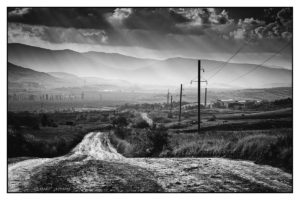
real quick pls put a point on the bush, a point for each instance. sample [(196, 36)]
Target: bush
[(44, 120), (144, 143), (122, 132), (159, 119), (213, 118), (69, 123), (23, 119), (158, 140), (122, 146), (120, 121), (141, 124)]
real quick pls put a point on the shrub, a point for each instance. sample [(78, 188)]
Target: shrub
[(122, 146), (160, 119), (213, 118), (122, 132), (69, 123), (120, 121), (44, 120), (141, 124), (23, 119), (158, 139), (141, 144)]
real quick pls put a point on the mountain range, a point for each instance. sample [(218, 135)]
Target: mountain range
[(64, 68)]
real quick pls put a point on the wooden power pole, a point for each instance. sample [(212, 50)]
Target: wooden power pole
[(171, 106), (199, 91), (205, 96), (180, 102), (168, 97)]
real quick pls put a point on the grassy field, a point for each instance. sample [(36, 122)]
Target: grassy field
[(262, 137), (273, 146)]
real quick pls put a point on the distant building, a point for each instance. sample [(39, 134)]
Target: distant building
[(223, 103), (235, 104)]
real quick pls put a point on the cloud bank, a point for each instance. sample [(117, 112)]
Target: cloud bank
[(187, 32)]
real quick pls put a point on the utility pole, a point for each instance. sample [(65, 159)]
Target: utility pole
[(205, 100), (168, 96), (180, 102), (199, 91), (171, 107)]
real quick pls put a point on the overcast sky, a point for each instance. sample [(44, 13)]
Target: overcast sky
[(205, 33)]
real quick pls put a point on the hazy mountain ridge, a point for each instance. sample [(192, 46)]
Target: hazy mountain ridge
[(172, 71), (20, 79), (26, 78)]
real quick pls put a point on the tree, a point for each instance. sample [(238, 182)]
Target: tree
[(159, 139), (44, 120), (120, 121)]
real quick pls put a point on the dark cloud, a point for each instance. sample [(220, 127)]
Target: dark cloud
[(117, 26), (277, 24), (174, 20), (61, 17), (166, 20), (154, 19)]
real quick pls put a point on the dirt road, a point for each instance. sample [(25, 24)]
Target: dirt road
[(95, 166), (147, 119)]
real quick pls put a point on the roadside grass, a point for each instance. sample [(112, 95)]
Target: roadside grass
[(273, 146), (140, 142), (122, 146), (46, 142)]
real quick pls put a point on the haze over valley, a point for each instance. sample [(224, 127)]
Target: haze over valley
[(75, 69)]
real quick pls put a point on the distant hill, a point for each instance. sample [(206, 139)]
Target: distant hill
[(75, 80), (24, 78), (118, 61), (171, 71)]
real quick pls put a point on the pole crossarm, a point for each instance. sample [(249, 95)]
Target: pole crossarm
[(200, 81)]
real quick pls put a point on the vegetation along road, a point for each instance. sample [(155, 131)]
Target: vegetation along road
[(95, 166)]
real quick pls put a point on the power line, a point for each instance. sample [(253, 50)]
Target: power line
[(253, 69), (211, 70), (214, 69), (224, 64)]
